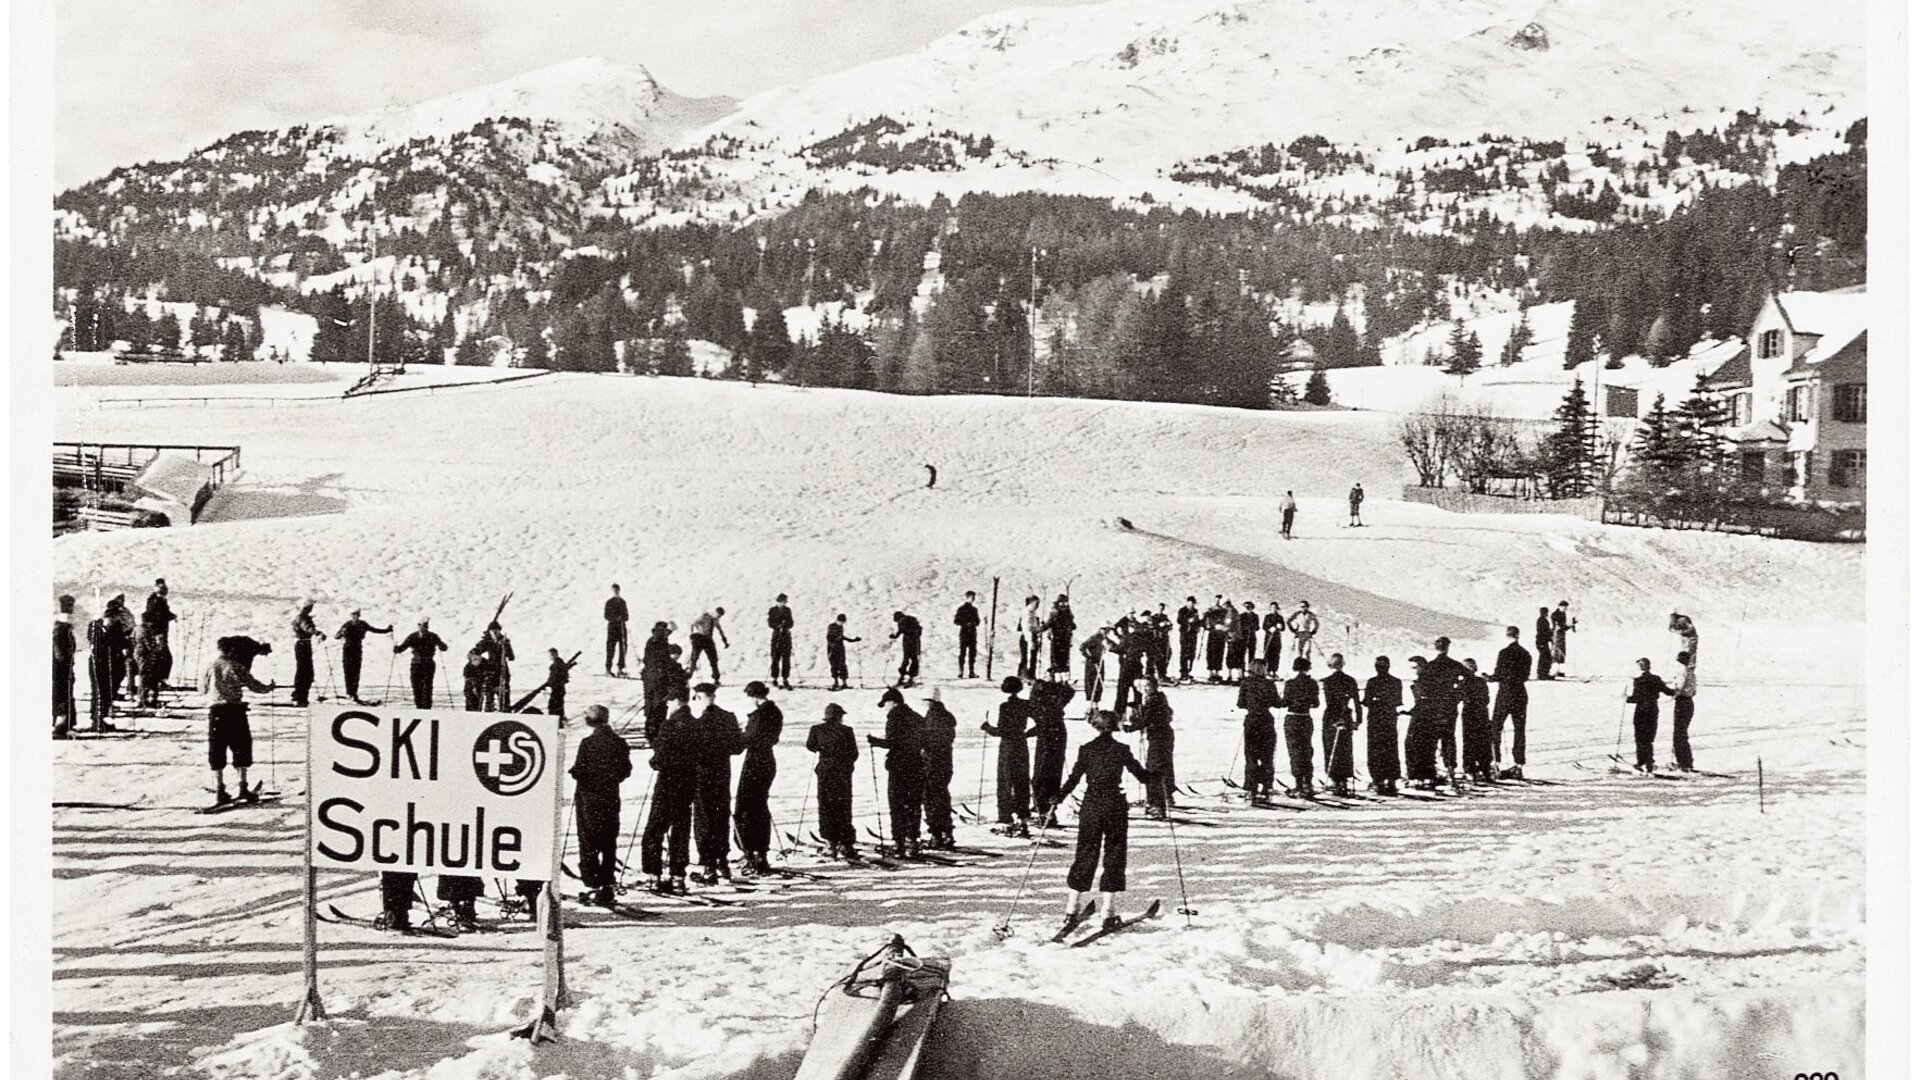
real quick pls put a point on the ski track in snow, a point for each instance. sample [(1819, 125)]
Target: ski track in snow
[(1487, 935)]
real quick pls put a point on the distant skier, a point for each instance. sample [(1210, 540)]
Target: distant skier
[(1300, 697), (229, 734), (100, 672), (676, 763), (837, 748), (717, 737), (751, 815), (352, 636), (1060, 626), (1188, 620), (1543, 645), (473, 680), (1030, 627), (558, 675), (1258, 699), (1244, 644), (1644, 695), (1093, 662), (658, 670), (906, 772), (1563, 624), (1047, 705), (1219, 621), (1354, 499), (967, 618), (156, 632), (65, 648), (701, 633), (615, 613), (837, 640), (1155, 719), (933, 475), (1102, 840), (1683, 686), (1447, 675), (1382, 700), (1476, 727), (1337, 724), (1136, 647), (1162, 625), (123, 629), (1423, 726), (1273, 634), (1510, 675), (1287, 509), (500, 660), (780, 646), (1304, 624), (936, 752), (423, 644), (600, 763), (906, 629), (1013, 789)]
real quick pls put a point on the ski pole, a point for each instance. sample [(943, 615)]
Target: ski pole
[(1166, 801), (634, 833), (874, 771), (1620, 733), (798, 824), (980, 793), (1006, 921), (386, 692), (333, 690)]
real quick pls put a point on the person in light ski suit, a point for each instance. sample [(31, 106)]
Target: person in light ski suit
[(1287, 509), (1047, 706), (837, 748), (780, 645), (1644, 695), (1338, 722), (1030, 627), (1304, 624), (600, 763), (936, 751), (1102, 841), (423, 644), (1012, 784), (228, 731), (1155, 718), (906, 772), (1382, 700), (352, 636), (701, 633), (967, 618), (751, 815), (1258, 698)]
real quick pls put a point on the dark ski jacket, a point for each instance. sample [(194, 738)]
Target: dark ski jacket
[(676, 746), (1049, 713), (655, 658), (602, 760), (967, 617), (1644, 692), (1012, 728), (558, 674), (1512, 665), (1473, 699), (1218, 618), (1301, 696), (64, 645), (763, 731), (902, 740), (1246, 626), (1258, 697), (1188, 620), (780, 619), (936, 736), (422, 644), (837, 747), (157, 615), (1342, 690), (837, 635), (615, 610), (1155, 717), (1446, 676), (717, 737), (1100, 762), (1383, 697), (1273, 623), (1542, 633), (907, 629), (355, 631), (1060, 622)]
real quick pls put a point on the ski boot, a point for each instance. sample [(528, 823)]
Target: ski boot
[(221, 797), (704, 876), (464, 917), (1111, 922), (250, 794)]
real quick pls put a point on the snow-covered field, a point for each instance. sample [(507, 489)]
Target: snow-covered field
[(1593, 927)]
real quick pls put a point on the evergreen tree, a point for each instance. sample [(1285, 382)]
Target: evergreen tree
[(334, 340), (203, 329), (1582, 330), (768, 346), (136, 329), (166, 332), (1700, 450), (1318, 392), (1569, 453), (1463, 349), (1517, 341), (233, 342), (1655, 452), (676, 358)]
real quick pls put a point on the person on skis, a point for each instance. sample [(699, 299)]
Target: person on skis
[(1299, 697), (600, 763), (1188, 620), (1287, 509), (1689, 637), (1304, 624), (717, 738), (1683, 686), (967, 618), (500, 658), (660, 671), (424, 644), (837, 641), (1341, 692), (780, 646), (1029, 629), (1093, 663), (906, 772), (676, 763), (1155, 718), (614, 611), (906, 629), (1012, 784), (229, 733), (1060, 627), (1047, 706), (352, 636), (1354, 499), (1510, 675), (1258, 699), (701, 633), (1543, 646), (1273, 633), (1643, 693), (1162, 626), (1219, 620), (1563, 624), (1382, 700), (837, 749), (1102, 841), (1476, 726), (1244, 644), (936, 751), (65, 649), (305, 631), (752, 817)]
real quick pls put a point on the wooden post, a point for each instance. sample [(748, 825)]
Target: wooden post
[(553, 991), (1760, 773), (310, 1006), (993, 621)]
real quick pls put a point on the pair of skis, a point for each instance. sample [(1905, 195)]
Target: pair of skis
[(1079, 918), (253, 796)]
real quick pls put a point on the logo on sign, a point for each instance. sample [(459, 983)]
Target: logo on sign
[(509, 758)]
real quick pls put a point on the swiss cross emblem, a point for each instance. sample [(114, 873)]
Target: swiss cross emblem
[(509, 758)]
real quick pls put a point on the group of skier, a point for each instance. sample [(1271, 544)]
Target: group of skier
[(128, 657)]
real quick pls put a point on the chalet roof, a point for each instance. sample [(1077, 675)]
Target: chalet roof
[(1837, 317), (1759, 431), (1854, 348), (1735, 374)]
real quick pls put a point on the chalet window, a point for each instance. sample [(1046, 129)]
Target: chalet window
[(1742, 410), (1850, 403), (1847, 469), (1753, 466), (1622, 402), (1797, 403), (1770, 341)]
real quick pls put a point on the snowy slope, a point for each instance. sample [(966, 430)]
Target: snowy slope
[(1145, 82), (1598, 927)]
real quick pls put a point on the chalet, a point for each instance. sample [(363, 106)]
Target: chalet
[(1796, 397)]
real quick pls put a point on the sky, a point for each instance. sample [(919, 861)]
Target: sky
[(152, 79)]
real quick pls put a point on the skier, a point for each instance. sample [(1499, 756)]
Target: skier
[(1644, 694), (65, 648), (701, 634), (1219, 616), (717, 737), (676, 760), (1012, 789), (1258, 698), (1423, 726), (1563, 624), (967, 618), (122, 630), (499, 649), (1155, 718), (1047, 705), (1029, 630), (1244, 645), (907, 629), (1354, 499), (936, 752), (1382, 700), (557, 676), (1188, 620), (100, 673), (1300, 697), (304, 631), (1683, 686), (1093, 662), (932, 475), (1510, 675), (906, 772), (1102, 842), (615, 612), (1060, 626), (156, 624), (1287, 509), (1342, 692), (1447, 675), (833, 740), (1273, 632), (780, 647), (1543, 646), (473, 680), (423, 644), (1689, 637), (1136, 643), (1304, 624), (396, 899), (837, 640), (1476, 730), (352, 636), (751, 815), (228, 730), (658, 670), (600, 763), (1162, 627)]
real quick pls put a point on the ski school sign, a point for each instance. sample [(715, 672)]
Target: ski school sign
[(434, 792)]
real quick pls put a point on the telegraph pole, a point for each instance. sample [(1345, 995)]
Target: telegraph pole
[(1033, 291)]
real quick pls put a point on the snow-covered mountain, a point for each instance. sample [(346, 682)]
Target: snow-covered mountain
[(1146, 82)]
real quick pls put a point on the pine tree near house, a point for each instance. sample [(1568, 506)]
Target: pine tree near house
[(1318, 392), (1657, 454), (1463, 350), (166, 332), (1517, 341), (1701, 455), (1584, 327), (1569, 454)]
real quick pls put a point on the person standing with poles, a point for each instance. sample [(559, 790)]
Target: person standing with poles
[(423, 644), (1683, 686), (936, 752), (1273, 633), (780, 648), (229, 734), (967, 618), (558, 675), (833, 741), (615, 613), (751, 814), (906, 629), (600, 763), (1304, 624), (1510, 675), (352, 636), (676, 763), (1060, 627), (705, 627), (1342, 694), (1476, 728), (1187, 619), (717, 737), (1258, 698), (1047, 707), (1218, 620), (65, 648), (1029, 628), (1543, 646), (837, 640), (906, 772), (1382, 700), (1102, 841), (1162, 626), (1155, 717), (156, 624), (1012, 790), (659, 672), (1644, 695), (1563, 624), (1287, 509), (1300, 697)]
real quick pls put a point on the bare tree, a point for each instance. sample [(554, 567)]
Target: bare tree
[(1422, 436)]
